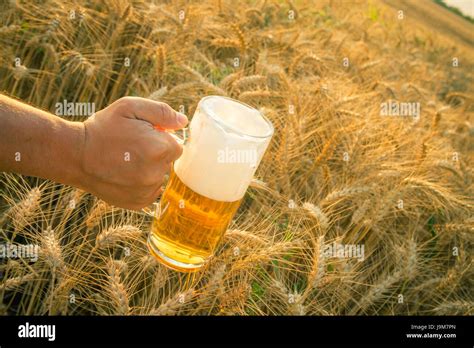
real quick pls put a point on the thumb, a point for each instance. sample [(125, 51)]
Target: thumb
[(160, 115)]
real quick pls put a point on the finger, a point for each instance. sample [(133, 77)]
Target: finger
[(172, 149), (157, 113), (175, 149)]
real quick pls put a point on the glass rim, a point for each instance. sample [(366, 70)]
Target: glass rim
[(227, 126)]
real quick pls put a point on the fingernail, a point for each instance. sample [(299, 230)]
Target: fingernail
[(182, 119)]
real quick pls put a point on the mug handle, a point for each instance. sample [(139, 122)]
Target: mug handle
[(181, 140)]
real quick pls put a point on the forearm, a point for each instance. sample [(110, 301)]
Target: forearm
[(37, 143)]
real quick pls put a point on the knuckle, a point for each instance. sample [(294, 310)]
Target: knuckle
[(125, 103), (165, 111), (163, 107), (175, 150)]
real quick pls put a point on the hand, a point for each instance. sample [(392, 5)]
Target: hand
[(124, 158)]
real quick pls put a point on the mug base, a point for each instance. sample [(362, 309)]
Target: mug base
[(169, 262)]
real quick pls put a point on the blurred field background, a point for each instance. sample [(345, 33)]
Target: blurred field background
[(336, 171)]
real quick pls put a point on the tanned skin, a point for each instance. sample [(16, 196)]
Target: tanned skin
[(117, 154)]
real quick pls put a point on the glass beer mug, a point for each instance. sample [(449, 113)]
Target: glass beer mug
[(226, 142)]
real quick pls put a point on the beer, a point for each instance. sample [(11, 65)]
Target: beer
[(190, 225), (207, 183)]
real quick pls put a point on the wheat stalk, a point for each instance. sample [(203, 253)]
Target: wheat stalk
[(226, 43), (12, 283), (296, 306), (318, 266), (175, 303), (117, 290), (227, 81), (247, 81), (24, 211), (272, 261), (100, 209), (113, 235), (158, 94), (411, 259), (359, 214), (376, 292), (455, 308), (213, 287), (51, 250), (259, 94), (160, 62), (245, 236), (348, 191), (241, 37), (318, 214)]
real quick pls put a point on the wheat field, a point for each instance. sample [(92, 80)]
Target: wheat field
[(336, 171)]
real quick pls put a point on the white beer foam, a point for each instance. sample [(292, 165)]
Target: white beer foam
[(221, 134)]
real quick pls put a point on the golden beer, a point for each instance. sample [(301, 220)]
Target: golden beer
[(190, 226), (227, 140)]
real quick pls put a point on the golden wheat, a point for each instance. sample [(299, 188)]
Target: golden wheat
[(335, 170)]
